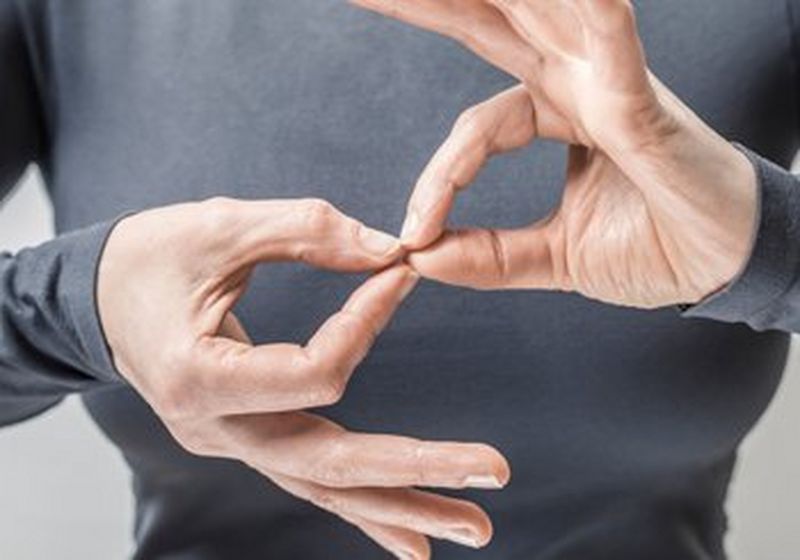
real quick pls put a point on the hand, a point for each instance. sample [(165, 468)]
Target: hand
[(657, 208), (168, 280)]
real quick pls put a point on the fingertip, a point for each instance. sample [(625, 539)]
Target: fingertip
[(486, 530), (387, 287), (378, 244), (425, 552), (420, 549), (421, 236), (410, 229), (495, 472), (480, 532), (402, 273), (502, 468)]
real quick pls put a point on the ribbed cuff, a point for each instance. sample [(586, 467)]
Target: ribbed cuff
[(771, 268)]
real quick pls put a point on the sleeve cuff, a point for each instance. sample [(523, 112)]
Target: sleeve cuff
[(771, 268), (81, 265)]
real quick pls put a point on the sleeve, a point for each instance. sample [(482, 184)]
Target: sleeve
[(51, 342), (51, 339), (766, 293), (21, 127)]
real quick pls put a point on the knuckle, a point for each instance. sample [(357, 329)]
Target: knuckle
[(325, 384), (329, 392), (316, 213), (499, 253), (218, 212), (490, 264), (474, 124), (228, 363), (420, 471), (334, 467), (470, 118), (327, 500), (324, 381)]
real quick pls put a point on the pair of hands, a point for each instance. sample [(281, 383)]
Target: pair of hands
[(657, 210)]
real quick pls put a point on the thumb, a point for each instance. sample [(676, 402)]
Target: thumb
[(491, 259)]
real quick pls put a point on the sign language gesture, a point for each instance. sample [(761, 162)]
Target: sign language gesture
[(167, 283), (657, 208)]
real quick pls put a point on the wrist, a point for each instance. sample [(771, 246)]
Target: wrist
[(704, 194), (722, 187), (113, 272)]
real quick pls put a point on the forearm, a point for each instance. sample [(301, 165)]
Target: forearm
[(766, 293), (51, 342)]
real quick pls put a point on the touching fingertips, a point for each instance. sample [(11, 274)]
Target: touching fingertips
[(380, 244), (389, 286), (426, 221)]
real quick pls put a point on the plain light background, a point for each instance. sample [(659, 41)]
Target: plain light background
[(64, 490)]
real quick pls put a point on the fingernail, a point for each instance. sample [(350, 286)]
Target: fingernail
[(378, 242), (485, 482), (464, 538), (410, 226)]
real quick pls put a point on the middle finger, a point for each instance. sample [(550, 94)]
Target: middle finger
[(413, 510)]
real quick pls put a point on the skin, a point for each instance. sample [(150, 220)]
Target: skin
[(222, 396), (657, 208)]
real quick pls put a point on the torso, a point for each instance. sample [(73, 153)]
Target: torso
[(621, 426)]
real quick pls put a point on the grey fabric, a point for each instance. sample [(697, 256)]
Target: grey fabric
[(621, 425), (51, 342), (766, 294)]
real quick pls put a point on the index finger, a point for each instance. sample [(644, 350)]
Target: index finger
[(234, 377), (503, 123), (248, 232)]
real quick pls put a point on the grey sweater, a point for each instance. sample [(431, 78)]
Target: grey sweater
[(622, 426)]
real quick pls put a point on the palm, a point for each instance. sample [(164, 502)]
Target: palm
[(609, 240)]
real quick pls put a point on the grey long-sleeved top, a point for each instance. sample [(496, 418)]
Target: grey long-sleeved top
[(622, 426)]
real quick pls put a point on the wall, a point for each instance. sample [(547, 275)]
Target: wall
[(63, 487)]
